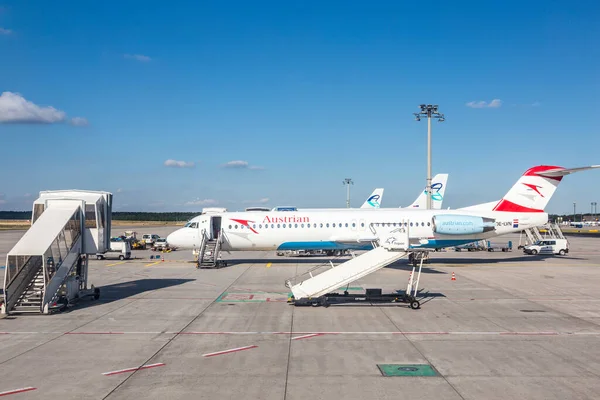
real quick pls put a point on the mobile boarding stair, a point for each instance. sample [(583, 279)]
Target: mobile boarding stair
[(209, 255), (315, 287), (47, 269)]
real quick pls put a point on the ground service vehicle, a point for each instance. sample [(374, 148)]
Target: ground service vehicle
[(550, 246)]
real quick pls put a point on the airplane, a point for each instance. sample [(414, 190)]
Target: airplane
[(521, 208), (438, 188)]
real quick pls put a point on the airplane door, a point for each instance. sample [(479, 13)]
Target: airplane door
[(215, 224)]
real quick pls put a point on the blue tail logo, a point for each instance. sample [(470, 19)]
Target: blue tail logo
[(435, 191), (374, 200)]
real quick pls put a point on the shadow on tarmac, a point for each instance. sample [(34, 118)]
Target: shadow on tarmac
[(123, 290)]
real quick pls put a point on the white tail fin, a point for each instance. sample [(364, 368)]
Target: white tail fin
[(374, 200), (438, 189)]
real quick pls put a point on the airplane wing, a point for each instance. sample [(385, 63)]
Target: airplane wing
[(374, 200), (438, 188)]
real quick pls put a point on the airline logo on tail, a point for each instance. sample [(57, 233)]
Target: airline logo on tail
[(374, 201), (435, 191)]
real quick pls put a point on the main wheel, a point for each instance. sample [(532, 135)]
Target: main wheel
[(562, 252), (415, 304)]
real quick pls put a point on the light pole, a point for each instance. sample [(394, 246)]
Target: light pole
[(430, 111), (348, 182), (574, 212)]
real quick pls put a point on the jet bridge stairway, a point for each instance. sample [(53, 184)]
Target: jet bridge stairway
[(313, 286), (47, 269)]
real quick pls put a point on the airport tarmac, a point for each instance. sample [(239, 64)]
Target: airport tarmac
[(509, 326)]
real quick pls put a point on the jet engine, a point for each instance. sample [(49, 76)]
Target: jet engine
[(462, 224)]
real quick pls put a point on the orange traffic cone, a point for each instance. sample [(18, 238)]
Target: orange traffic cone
[(163, 258), (453, 277)]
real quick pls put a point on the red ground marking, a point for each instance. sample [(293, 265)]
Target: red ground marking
[(122, 371), (307, 336), (15, 391)]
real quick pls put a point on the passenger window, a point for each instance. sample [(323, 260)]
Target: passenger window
[(346, 224), (254, 226), (321, 225), (260, 225), (278, 225), (302, 225), (327, 225), (422, 223), (272, 226), (295, 225), (229, 226), (362, 224), (429, 224), (284, 225), (353, 225), (411, 224), (236, 227)]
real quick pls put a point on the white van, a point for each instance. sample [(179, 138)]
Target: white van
[(548, 246)]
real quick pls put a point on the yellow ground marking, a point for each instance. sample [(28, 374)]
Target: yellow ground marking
[(117, 263), (269, 265), (151, 264)]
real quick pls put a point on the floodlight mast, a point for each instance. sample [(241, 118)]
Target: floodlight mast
[(430, 111), (348, 182)]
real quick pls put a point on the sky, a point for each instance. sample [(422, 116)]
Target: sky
[(176, 106)]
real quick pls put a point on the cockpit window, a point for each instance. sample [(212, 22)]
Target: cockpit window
[(191, 225)]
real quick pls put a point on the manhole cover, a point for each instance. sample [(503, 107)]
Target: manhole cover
[(407, 370)]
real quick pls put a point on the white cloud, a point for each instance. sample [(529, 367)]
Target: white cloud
[(179, 164), (78, 121), (15, 109), (119, 190), (239, 164), (137, 57), (2, 198), (4, 31), (27, 195), (205, 202), (496, 103)]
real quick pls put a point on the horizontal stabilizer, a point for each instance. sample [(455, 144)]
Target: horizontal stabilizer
[(564, 171)]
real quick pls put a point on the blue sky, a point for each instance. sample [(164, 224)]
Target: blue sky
[(300, 95)]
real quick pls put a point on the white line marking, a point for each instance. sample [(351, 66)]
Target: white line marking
[(121, 371), (229, 351), (15, 391)]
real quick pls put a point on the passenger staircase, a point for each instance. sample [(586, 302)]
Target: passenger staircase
[(532, 235), (210, 251), (553, 231), (390, 246), (47, 269)]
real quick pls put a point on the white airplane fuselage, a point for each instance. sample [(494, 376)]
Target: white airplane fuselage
[(355, 229)]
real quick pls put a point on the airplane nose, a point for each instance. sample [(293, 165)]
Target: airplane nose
[(176, 239)]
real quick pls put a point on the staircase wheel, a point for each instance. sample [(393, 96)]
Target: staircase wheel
[(415, 304)]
